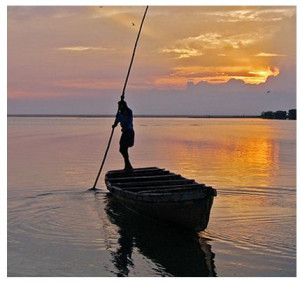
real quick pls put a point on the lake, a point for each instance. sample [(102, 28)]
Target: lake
[(58, 228)]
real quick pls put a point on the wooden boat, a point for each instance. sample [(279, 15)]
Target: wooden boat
[(163, 195)]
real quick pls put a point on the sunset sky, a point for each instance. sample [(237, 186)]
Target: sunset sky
[(190, 60)]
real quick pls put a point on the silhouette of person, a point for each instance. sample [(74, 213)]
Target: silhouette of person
[(122, 258), (125, 118)]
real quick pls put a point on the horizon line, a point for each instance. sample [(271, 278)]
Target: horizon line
[(142, 116)]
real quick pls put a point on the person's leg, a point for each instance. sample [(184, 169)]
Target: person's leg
[(124, 152)]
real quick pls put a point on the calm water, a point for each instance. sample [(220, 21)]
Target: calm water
[(57, 228)]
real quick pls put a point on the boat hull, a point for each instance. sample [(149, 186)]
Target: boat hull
[(189, 207), (192, 214)]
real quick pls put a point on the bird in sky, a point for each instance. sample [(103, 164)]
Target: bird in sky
[(133, 24), (268, 91)]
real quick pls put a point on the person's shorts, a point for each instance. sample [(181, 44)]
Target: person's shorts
[(127, 138)]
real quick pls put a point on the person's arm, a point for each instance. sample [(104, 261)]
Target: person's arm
[(117, 120)]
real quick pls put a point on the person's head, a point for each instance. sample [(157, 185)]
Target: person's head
[(122, 105)]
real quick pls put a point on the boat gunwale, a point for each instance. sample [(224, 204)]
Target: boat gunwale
[(162, 197), (138, 189)]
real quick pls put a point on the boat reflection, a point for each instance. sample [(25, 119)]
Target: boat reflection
[(173, 251)]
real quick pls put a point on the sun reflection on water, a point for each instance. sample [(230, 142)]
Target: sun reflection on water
[(232, 156)]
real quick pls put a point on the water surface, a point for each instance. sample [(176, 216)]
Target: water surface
[(57, 228)]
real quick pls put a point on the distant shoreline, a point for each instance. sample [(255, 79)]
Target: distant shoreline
[(138, 116)]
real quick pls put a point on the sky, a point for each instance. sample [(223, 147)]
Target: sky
[(190, 60)]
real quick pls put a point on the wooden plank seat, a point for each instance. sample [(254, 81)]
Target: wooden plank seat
[(169, 176), (139, 173), (154, 183), (135, 170)]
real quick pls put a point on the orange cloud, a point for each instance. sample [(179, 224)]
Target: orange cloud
[(82, 48), (183, 52), (263, 54)]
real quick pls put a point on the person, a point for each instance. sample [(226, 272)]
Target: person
[(125, 118)]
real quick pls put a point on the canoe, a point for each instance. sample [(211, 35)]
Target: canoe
[(163, 195)]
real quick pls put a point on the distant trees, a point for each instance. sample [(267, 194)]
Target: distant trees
[(279, 114), (267, 115), (292, 114)]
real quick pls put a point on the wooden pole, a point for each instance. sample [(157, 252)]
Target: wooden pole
[(104, 158), (122, 98), (135, 45)]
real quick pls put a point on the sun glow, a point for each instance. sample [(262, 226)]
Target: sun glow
[(217, 76)]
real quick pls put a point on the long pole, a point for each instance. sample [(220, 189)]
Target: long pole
[(122, 98), (104, 158), (135, 45)]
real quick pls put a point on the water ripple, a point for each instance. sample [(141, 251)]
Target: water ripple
[(57, 216)]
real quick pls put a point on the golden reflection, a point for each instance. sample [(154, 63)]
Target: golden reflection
[(233, 156)]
